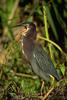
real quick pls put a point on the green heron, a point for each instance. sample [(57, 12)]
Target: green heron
[(35, 54)]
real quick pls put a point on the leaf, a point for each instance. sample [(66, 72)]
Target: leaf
[(62, 68)]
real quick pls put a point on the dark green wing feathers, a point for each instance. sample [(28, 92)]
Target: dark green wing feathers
[(42, 64)]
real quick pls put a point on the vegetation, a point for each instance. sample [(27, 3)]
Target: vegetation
[(17, 81)]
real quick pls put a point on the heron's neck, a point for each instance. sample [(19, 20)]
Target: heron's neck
[(27, 47)]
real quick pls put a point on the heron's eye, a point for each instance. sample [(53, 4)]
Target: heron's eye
[(25, 27)]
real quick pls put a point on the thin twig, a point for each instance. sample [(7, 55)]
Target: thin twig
[(46, 95), (25, 75), (50, 41)]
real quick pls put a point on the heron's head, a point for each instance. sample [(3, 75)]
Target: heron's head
[(27, 30)]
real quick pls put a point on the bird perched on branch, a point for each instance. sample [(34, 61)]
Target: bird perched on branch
[(35, 54)]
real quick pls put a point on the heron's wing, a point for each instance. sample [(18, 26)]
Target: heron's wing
[(44, 62)]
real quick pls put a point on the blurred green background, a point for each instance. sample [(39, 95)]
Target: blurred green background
[(17, 81)]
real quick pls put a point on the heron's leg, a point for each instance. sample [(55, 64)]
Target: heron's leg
[(42, 86), (51, 89), (47, 94), (52, 80)]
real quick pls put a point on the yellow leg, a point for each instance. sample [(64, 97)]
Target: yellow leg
[(47, 94), (51, 89), (53, 80)]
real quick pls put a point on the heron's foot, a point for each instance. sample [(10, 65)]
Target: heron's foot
[(47, 94)]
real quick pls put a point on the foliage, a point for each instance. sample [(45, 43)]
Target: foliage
[(50, 19)]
